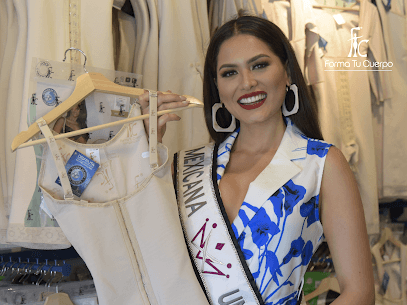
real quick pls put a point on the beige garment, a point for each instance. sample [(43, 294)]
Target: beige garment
[(126, 42), (125, 225), (48, 38), (359, 151), (296, 20), (9, 34), (394, 264), (220, 11), (391, 116), (174, 62), (3, 29)]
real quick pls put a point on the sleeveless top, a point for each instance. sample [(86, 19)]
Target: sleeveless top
[(125, 225), (278, 226), (66, 129)]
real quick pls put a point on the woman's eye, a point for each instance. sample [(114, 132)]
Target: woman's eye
[(228, 73), (260, 65)]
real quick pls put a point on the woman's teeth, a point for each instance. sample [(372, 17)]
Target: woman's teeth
[(253, 99)]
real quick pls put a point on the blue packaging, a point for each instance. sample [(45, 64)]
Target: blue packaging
[(80, 170)]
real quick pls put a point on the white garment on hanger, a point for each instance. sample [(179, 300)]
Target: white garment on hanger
[(391, 120), (174, 62), (125, 225), (360, 153), (12, 77), (295, 18), (48, 38)]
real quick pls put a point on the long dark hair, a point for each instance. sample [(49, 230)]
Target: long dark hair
[(83, 115), (306, 119)]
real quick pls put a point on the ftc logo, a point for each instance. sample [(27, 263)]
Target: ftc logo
[(354, 46)]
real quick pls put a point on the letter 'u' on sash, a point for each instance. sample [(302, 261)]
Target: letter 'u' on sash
[(216, 254)]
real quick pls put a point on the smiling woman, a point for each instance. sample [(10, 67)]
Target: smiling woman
[(256, 204)]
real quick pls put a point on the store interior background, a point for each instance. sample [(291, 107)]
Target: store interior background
[(111, 36)]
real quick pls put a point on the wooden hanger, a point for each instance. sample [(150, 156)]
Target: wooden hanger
[(85, 85), (387, 235), (348, 8), (328, 283), (59, 298)]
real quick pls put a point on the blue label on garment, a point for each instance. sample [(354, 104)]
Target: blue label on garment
[(80, 170), (385, 282), (387, 7), (322, 43)]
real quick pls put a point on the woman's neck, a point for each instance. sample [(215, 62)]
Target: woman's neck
[(72, 120), (260, 138)]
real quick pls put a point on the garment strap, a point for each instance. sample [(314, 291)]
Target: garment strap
[(152, 95), (66, 185)]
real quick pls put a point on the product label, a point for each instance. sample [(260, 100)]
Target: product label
[(121, 106), (385, 282), (80, 170), (93, 154), (339, 19)]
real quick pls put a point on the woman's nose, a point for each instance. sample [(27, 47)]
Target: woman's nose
[(248, 81)]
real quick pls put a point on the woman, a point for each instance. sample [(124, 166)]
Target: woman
[(75, 119), (282, 188)]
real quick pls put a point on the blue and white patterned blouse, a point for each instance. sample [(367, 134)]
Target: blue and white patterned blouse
[(278, 226)]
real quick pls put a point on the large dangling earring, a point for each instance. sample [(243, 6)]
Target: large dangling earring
[(215, 124), (291, 95)]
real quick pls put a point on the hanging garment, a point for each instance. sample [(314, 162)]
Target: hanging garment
[(11, 78), (390, 122), (125, 225), (285, 195), (125, 42), (174, 62), (34, 228), (48, 38), (391, 263), (9, 38), (344, 98), (296, 20), (221, 11)]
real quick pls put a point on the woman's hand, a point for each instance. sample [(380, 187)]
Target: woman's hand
[(165, 101)]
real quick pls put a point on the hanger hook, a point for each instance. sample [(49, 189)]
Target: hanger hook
[(84, 63)]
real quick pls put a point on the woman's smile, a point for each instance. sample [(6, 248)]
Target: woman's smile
[(252, 100)]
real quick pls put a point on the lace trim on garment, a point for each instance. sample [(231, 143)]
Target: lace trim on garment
[(37, 238)]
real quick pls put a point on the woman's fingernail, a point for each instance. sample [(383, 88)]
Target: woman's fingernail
[(185, 102)]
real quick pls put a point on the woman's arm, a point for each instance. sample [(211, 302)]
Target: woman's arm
[(59, 124), (343, 220)]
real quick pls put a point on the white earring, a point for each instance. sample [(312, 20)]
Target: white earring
[(296, 107), (215, 124)]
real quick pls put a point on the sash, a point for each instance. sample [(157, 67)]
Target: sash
[(213, 247)]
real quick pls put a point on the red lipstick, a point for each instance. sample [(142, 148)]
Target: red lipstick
[(252, 105)]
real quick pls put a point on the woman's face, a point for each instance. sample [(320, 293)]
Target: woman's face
[(76, 110), (251, 79)]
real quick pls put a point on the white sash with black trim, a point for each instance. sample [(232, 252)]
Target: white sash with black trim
[(214, 249)]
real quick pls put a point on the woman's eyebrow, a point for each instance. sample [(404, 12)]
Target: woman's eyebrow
[(248, 62)]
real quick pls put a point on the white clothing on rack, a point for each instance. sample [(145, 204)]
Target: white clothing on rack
[(359, 151), (391, 122), (125, 225), (295, 18), (174, 62), (11, 82), (48, 38)]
